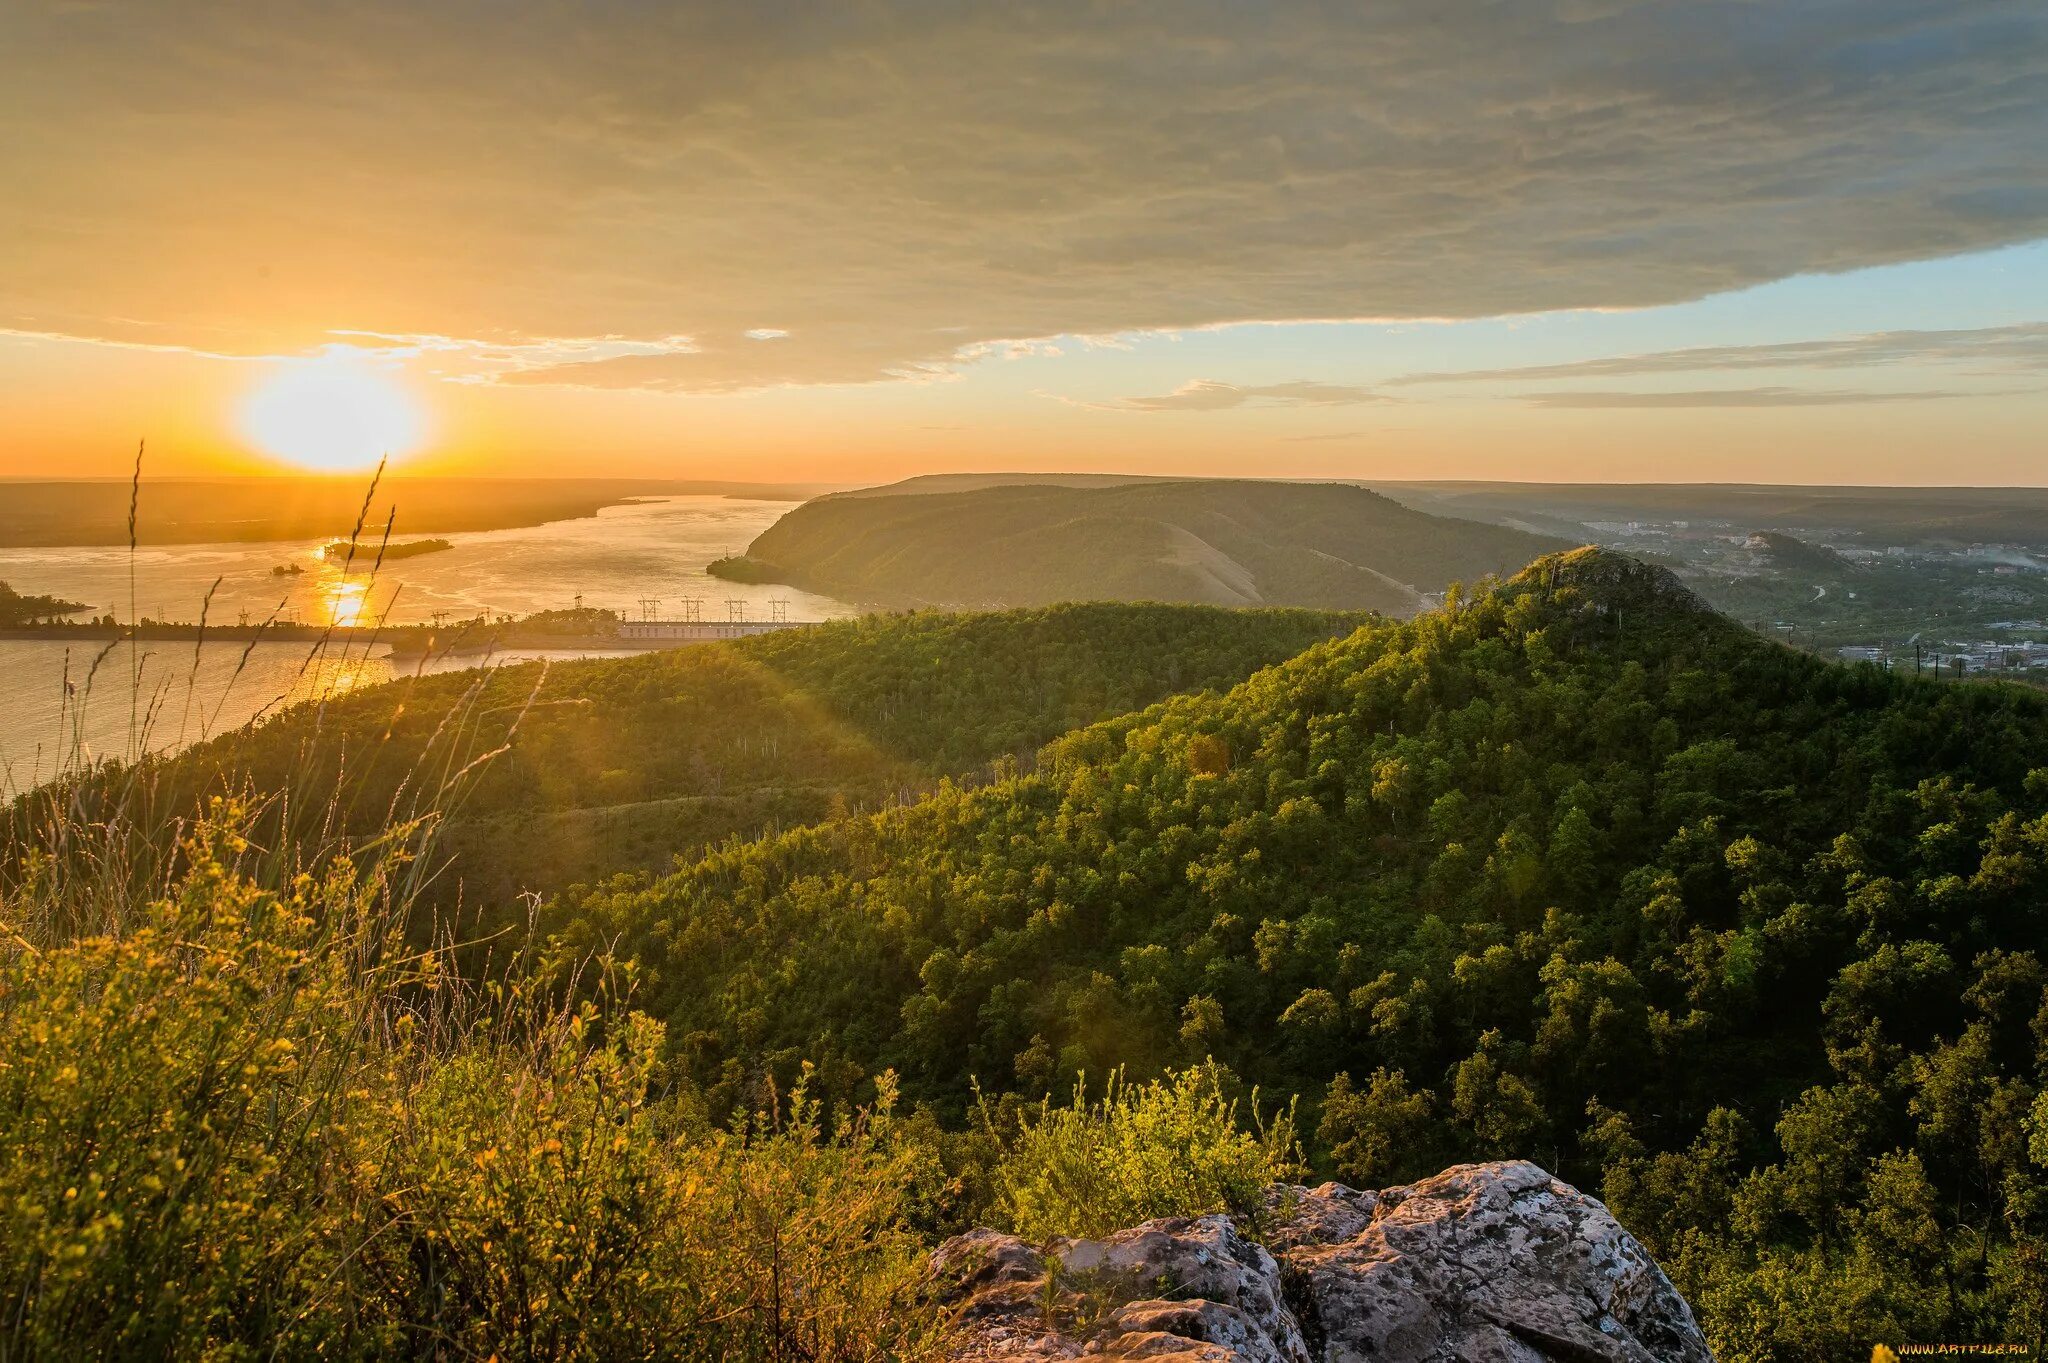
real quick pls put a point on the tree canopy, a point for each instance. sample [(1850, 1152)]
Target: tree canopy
[(1575, 870)]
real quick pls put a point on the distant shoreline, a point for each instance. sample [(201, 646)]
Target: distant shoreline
[(81, 514)]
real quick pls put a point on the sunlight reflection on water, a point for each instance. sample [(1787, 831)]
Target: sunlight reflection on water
[(176, 693), (342, 602), (625, 554)]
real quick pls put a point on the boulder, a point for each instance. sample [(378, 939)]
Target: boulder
[(1494, 1263)]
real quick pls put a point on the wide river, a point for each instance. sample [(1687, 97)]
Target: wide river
[(163, 694)]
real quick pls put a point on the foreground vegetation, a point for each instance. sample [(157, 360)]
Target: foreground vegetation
[(1574, 870), (246, 1120)]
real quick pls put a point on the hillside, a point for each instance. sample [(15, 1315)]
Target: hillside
[(622, 764), (1794, 557), (1220, 542), (1579, 871)]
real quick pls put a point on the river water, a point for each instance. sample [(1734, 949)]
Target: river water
[(56, 707)]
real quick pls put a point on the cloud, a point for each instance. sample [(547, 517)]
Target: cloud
[(1212, 395), (2020, 347), (905, 185), (1726, 397), (705, 365)]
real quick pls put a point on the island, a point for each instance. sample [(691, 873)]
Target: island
[(343, 551), (743, 568), (17, 610)]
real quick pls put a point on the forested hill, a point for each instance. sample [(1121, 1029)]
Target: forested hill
[(1576, 871), (1223, 542), (621, 764)]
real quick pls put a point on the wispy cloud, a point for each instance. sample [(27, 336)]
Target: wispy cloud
[(1727, 397), (2018, 348), (1213, 395)]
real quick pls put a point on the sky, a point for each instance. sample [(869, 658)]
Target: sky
[(851, 240)]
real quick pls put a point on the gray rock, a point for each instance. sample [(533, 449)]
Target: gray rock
[(1494, 1263)]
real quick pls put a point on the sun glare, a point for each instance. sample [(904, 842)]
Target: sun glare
[(344, 602), (332, 415)]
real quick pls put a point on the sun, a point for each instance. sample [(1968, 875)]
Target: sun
[(333, 414)]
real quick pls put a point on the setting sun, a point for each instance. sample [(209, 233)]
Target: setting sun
[(332, 415)]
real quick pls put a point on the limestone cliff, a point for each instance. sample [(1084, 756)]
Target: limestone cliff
[(1493, 1263)]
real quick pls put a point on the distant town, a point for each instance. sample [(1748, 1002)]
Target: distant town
[(1932, 608)]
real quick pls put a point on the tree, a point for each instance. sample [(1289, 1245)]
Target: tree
[(1380, 1136)]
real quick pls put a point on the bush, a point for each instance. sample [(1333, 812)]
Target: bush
[(251, 1122), (1171, 1147)]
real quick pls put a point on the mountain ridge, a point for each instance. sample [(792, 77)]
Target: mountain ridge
[(1329, 545)]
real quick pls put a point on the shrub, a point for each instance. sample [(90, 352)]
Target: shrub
[(1171, 1147), (251, 1122)]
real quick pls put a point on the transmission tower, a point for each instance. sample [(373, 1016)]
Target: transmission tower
[(736, 609), (693, 608), (778, 610)]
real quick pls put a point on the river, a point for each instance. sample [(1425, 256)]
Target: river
[(163, 695)]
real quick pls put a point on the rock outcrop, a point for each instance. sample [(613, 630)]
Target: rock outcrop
[(1494, 1263), (1606, 581)]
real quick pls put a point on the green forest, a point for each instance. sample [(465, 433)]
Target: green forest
[(1573, 869), (539, 777)]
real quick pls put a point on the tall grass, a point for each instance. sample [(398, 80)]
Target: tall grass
[(255, 1123), (248, 1109), (102, 836), (247, 1113)]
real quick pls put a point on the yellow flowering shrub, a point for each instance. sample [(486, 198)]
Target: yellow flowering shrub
[(250, 1122)]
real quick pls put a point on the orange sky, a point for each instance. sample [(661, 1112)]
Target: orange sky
[(1575, 241)]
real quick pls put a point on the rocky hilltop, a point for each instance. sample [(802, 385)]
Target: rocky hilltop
[(1496, 1263)]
